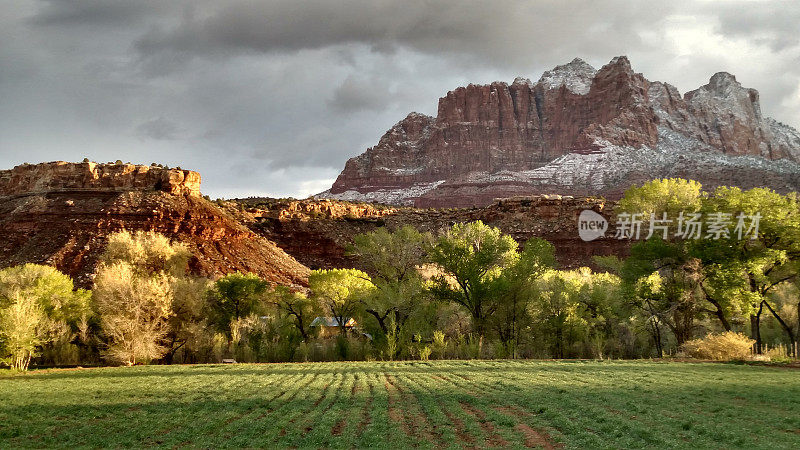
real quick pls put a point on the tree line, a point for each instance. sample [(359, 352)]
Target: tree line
[(468, 292)]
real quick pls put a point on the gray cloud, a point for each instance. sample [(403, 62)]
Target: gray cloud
[(358, 94), (159, 129), (98, 13), (773, 24), (500, 31), (272, 97)]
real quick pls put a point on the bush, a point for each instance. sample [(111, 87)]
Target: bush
[(780, 354), (726, 346)]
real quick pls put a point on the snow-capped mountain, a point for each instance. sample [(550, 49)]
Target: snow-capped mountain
[(576, 131)]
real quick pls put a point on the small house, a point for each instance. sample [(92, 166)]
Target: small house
[(329, 326)]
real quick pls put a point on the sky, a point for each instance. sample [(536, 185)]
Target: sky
[(270, 98)]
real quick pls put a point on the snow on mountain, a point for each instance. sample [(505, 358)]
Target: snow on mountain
[(576, 75), (609, 129)]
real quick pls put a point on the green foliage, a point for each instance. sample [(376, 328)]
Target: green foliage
[(340, 291), (37, 307), (53, 291), (514, 290), (235, 296), (557, 308), (726, 278), (393, 259), (297, 308), (669, 195), (187, 323), (471, 256), (666, 293), (578, 312)]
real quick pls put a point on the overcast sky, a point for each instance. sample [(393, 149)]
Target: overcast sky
[(272, 97)]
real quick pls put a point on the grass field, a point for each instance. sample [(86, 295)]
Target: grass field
[(436, 404)]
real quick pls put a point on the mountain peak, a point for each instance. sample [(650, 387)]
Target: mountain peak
[(578, 131), (576, 75), (722, 83)]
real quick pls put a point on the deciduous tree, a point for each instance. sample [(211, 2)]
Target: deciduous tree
[(340, 292), (135, 287), (393, 260), (472, 255), (33, 300), (236, 296), (515, 290)]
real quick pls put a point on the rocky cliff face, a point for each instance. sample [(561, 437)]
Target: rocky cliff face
[(577, 131), (320, 241), (89, 176), (61, 214)]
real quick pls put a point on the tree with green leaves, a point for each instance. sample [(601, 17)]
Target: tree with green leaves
[(556, 310), (340, 292), (764, 258), (669, 195), (675, 299), (514, 290), (187, 322), (669, 254), (234, 297), (471, 256), (34, 298), (296, 306), (393, 260)]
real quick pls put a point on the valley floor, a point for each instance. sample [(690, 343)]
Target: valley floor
[(401, 404)]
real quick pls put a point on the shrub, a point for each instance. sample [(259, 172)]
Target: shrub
[(439, 344), (425, 353), (726, 346), (779, 354)]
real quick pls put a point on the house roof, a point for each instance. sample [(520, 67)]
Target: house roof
[(332, 322)]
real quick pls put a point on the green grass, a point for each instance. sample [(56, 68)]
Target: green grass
[(436, 404)]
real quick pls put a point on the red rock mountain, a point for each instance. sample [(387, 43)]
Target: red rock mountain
[(577, 131), (60, 214)]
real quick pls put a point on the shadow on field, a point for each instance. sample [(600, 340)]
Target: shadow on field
[(325, 368)]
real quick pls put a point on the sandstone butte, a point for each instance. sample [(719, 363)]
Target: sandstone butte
[(576, 131), (61, 214)]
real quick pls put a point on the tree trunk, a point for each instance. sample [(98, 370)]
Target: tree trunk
[(797, 336), (785, 326), (720, 314), (657, 337), (560, 343), (381, 320), (303, 331), (755, 327)]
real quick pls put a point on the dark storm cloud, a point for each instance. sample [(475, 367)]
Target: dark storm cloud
[(97, 12), (272, 97), (492, 31)]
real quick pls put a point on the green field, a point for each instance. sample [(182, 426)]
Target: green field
[(384, 404)]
